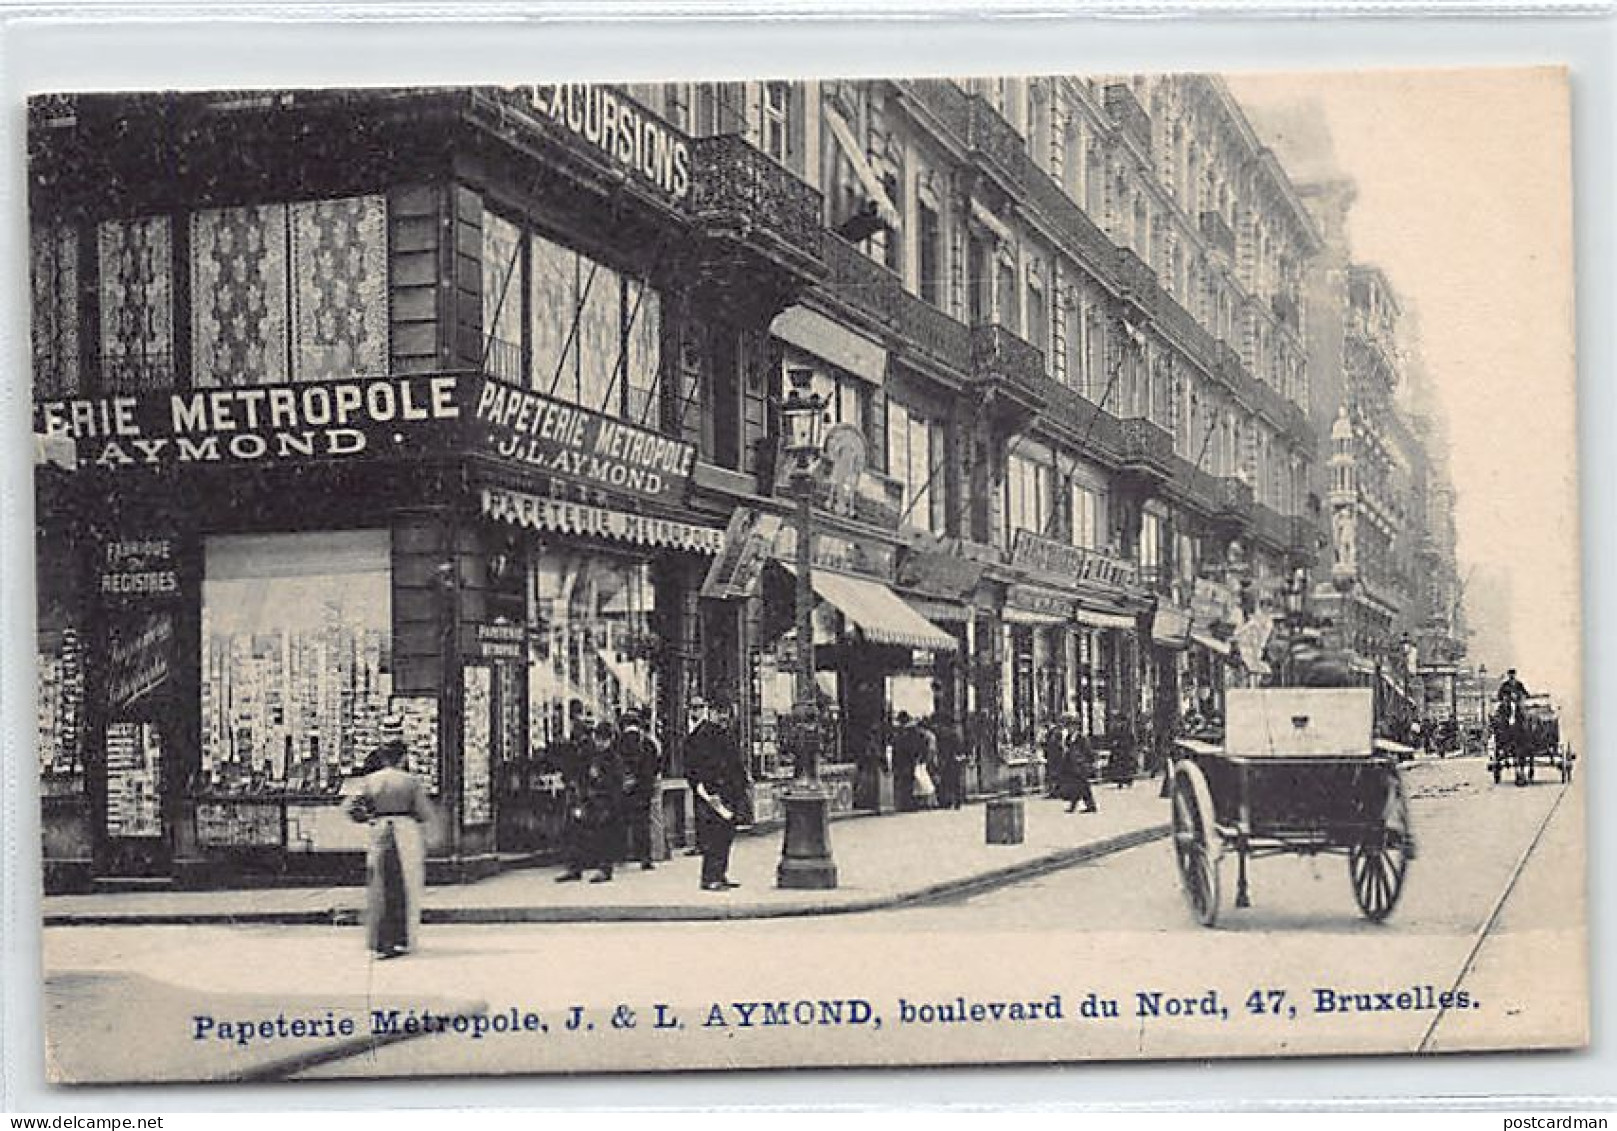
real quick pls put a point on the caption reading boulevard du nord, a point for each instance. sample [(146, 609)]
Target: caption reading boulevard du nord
[(1091, 1007)]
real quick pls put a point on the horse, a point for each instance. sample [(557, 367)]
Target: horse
[(1513, 744)]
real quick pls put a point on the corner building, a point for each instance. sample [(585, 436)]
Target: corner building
[(432, 409)]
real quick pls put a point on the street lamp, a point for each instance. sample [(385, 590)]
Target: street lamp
[(805, 856)]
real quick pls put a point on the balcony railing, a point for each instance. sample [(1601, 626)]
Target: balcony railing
[(996, 142), (1235, 498), (737, 186), (945, 101), (1287, 310), (1218, 234), (1000, 359), (1136, 278), (1130, 116), (863, 283), (1147, 447), (1305, 535)]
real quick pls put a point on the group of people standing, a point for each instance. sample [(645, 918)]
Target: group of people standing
[(929, 764), (1069, 763), (610, 777)]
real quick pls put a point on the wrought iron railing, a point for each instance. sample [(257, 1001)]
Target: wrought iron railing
[(999, 355), (997, 143), (861, 282), (1271, 526), (1145, 444), (736, 183), (1235, 497)]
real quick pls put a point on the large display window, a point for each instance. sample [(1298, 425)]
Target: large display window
[(297, 662), (592, 653)]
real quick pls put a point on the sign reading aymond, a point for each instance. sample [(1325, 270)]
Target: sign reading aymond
[(256, 423), (564, 442)]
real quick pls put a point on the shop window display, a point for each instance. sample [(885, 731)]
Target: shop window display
[(296, 663), (592, 651)]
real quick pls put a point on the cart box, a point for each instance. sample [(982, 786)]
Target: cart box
[(1294, 722)]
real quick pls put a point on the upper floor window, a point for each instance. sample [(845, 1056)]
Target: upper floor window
[(1027, 496), (593, 334), (915, 456), (1151, 526), (279, 292), (929, 235), (1088, 516), (777, 120), (1038, 314), (846, 398)]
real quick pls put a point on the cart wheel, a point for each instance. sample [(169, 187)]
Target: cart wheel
[(1377, 865), (1194, 850)]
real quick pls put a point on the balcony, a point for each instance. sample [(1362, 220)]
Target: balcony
[(944, 101), (738, 193), (1305, 536), (1235, 500), (996, 145), (1147, 450), (1009, 370), (1218, 234), (1136, 279), (1130, 116), (1287, 311), (862, 283)]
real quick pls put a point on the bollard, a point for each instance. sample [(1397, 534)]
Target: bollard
[(1006, 820)]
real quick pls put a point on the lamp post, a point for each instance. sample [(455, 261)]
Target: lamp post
[(805, 856), (1482, 701)]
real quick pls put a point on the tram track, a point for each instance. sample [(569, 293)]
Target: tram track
[(1480, 937)]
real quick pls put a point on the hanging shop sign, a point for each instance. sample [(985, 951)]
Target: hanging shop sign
[(256, 424), (749, 541), (1212, 602), (627, 133), (934, 573), (502, 641), (139, 569), (575, 446), (541, 513), (863, 557), (1072, 563), (1170, 625)]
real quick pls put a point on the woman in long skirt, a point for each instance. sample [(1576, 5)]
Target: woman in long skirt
[(395, 801)]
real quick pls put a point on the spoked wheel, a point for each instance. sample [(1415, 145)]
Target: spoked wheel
[(1378, 863), (1194, 850)]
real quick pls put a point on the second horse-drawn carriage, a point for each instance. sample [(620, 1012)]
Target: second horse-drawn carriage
[(1299, 772), (1527, 732)]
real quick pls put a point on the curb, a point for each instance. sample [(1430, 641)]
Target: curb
[(932, 893)]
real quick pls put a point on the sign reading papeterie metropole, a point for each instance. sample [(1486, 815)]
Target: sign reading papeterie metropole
[(378, 418)]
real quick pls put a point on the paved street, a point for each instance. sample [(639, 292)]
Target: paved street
[(1114, 928)]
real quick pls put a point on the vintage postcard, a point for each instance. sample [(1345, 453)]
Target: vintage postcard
[(587, 577)]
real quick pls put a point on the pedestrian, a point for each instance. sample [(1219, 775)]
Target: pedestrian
[(1080, 763), (572, 759), (603, 803), (951, 765), (693, 752), (908, 747), (926, 765), (1054, 748), (719, 780), (642, 768), (393, 802)]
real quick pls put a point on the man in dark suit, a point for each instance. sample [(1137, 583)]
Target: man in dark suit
[(602, 820), (642, 768), (719, 782)]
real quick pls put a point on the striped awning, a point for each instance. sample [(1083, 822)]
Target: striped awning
[(539, 513), (880, 615)]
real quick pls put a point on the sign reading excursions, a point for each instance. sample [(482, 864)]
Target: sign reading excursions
[(627, 133)]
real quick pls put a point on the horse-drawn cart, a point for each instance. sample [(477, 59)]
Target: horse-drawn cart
[(1299, 773), (1525, 735)]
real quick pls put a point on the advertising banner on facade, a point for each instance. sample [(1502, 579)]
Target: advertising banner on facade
[(1073, 563), (749, 540), (563, 441)]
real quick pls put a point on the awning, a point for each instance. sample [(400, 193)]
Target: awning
[(540, 513), (1012, 615), (812, 331), (1095, 618), (881, 615), (1210, 642), (861, 167)]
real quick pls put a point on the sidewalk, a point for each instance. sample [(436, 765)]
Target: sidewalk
[(884, 861)]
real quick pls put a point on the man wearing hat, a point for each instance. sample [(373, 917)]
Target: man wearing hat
[(718, 779), (642, 767), (1512, 690)]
